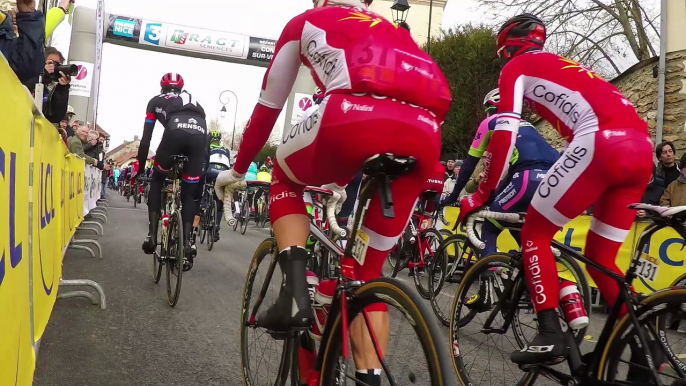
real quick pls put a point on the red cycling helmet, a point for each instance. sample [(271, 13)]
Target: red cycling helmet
[(172, 79), (520, 34)]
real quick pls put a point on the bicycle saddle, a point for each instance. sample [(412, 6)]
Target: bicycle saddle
[(388, 165), (662, 211)]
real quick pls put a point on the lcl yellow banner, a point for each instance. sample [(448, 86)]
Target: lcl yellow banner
[(41, 204), (660, 267)]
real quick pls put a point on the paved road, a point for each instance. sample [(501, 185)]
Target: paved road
[(139, 340)]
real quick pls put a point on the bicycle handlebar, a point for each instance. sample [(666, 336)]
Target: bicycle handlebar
[(331, 215), (513, 218)]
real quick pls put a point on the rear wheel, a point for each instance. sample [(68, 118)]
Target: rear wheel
[(211, 221), (175, 255), (158, 255), (245, 211), (430, 243)]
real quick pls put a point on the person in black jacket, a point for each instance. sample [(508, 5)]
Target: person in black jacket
[(56, 92), (664, 173), (22, 45)]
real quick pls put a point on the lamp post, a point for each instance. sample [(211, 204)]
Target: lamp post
[(223, 112), (428, 36), (399, 10)]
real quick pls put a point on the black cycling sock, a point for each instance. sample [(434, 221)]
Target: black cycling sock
[(371, 377), (153, 222), (155, 193), (189, 209)]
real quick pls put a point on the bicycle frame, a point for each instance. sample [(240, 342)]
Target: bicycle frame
[(581, 373)]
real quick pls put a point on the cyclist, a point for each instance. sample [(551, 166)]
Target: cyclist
[(373, 104), (185, 133), (531, 158), (132, 183), (218, 161), (599, 123)]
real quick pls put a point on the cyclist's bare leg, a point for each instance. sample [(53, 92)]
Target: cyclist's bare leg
[(292, 229), (364, 352)]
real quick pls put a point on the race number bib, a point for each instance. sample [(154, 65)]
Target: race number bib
[(647, 267), (360, 247)]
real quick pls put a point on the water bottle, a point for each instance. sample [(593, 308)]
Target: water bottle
[(572, 305)]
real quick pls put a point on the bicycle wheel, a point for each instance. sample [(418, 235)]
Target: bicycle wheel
[(654, 315), (273, 358), (246, 216), (449, 262), (135, 197), (158, 255), (203, 226), (210, 224), (175, 254), (404, 305), (430, 240), (388, 269)]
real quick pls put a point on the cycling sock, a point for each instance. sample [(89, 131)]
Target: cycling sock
[(153, 222), (371, 377)]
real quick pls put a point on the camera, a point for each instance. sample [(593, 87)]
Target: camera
[(68, 69)]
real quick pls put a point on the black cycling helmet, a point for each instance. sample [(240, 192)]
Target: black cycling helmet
[(520, 34)]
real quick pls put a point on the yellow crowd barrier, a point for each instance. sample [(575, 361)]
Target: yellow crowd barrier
[(665, 250), (41, 203)]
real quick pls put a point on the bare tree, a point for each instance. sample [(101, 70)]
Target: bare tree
[(215, 124), (602, 34), (276, 135), (237, 136)]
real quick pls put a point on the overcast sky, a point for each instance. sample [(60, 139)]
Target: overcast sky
[(130, 77)]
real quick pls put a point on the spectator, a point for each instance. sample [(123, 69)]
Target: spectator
[(69, 118), (74, 126), (664, 173), (476, 177), (675, 194), (449, 170), (22, 34), (76, 143), (91, 147), (56, 93)]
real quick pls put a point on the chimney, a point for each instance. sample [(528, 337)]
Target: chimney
[(135, 138)]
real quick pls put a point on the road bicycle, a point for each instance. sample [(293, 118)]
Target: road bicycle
[(208, 218), (170, 253), (328, 365), (247, 204), (456, 255), (645, 320), (136, 193), (262, 206)]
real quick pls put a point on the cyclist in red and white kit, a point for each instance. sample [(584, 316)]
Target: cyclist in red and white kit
[(608, 163), (382, 95)]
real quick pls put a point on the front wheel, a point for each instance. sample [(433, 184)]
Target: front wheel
[(246, 216), (211, 224)]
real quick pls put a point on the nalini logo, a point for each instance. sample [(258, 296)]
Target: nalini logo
[(82, 73), (406, 66), (179, 37), (348, 106), (305, 104)]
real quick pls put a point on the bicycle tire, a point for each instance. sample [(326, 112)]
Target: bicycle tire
[(661, 302), (443, 260), (266, 249), (210, 225), (235, 225), (175, 263), (246, 216), (135, 200), (400, 261), (428, 263), (157, 262), (394, 294)]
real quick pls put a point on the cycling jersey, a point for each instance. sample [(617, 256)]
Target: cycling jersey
[(185, 133), (599, 123), (264, 176), (219, 160), (348, 50)]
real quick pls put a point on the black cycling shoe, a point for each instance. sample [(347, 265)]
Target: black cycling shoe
[(149, 246), (483, 301), (292, 309), (549, 346), (189, 252), (638, 363), (216, 235)]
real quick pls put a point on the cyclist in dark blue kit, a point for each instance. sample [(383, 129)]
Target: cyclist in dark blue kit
[(218, 161), (531, 159), (185, 133)]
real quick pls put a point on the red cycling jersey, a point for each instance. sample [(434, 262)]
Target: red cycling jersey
[(348, 50), (571, 97)]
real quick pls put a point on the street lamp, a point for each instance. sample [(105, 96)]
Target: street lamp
[(223, 111), (400, 9)]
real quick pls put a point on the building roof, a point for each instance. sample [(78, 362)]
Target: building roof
[(125, 157)]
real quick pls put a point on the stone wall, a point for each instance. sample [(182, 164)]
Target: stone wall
[(640, 87)]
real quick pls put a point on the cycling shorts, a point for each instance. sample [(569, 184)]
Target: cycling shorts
[(332, 143), (516, 191), (182, 142)]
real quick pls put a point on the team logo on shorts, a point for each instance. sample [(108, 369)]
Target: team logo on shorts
[(348, 106)]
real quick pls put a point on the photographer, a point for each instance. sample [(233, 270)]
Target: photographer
[(56, 79)]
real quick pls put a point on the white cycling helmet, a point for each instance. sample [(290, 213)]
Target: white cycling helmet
[(492, 98), (353, 3)]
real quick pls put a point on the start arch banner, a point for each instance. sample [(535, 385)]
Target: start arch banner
[(662, 264)]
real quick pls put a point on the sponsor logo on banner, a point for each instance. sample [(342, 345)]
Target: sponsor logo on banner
[(261, 49), (124, 28), (207, 41), (300, 109), (121, 27), (153, 33), (81, 84), (305, 103)]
